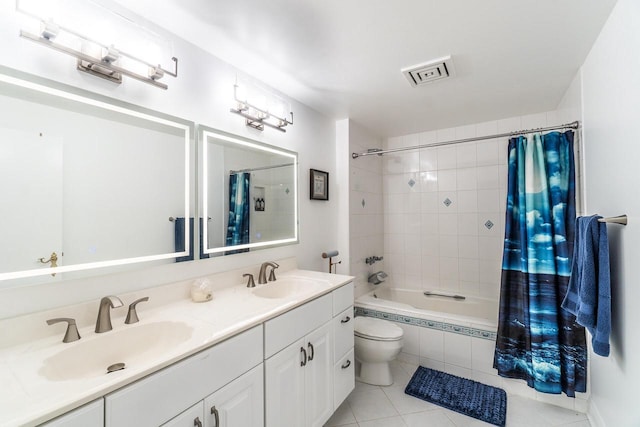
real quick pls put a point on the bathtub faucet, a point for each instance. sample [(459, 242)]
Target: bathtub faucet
[(377, 278)]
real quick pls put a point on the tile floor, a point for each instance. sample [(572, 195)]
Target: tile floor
[(373, 406)]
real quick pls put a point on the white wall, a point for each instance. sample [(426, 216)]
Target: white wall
[(203, 93), (610, 91), (365, 201)]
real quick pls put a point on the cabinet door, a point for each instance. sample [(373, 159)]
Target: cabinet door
[(239, 403), (343, 333), (319, 376), (343, 378), (192, 417), (284, 386), (90, 415)]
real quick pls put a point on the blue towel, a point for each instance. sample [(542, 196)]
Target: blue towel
[(179, 239), (589, 293)]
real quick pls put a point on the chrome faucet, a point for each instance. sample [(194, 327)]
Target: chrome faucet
[(103, 324), (262, 276)]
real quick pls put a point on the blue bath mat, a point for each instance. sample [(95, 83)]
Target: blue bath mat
[(465, 396)]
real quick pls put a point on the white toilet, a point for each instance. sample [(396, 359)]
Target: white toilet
[(377, 342)]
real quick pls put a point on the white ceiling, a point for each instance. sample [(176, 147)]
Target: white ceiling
[(343, 57)]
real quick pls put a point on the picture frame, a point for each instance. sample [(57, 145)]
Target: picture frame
[(318, 185)]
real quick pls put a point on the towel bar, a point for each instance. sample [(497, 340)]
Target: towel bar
[(621, 219)]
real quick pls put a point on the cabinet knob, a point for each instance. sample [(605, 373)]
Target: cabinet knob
[(311, 352), (197, 422), (303, 362), (216, 416), (346, 364), (345, 320)]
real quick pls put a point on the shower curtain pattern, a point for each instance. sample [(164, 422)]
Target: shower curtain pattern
[(537, 340), (238, 224)]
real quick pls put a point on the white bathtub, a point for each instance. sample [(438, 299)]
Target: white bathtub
[(478, 311)]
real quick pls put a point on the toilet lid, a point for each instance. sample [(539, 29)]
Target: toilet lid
[(369, 327)]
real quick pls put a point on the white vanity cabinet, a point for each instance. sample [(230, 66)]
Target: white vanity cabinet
[(300, 353), (238, 404), (192, 417), (343, 356), (166, 394), (89, 415)]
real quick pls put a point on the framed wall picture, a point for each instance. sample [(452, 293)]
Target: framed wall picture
[(318, 185)]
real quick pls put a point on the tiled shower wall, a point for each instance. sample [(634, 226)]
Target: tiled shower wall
[(366, 225), (444, 207)]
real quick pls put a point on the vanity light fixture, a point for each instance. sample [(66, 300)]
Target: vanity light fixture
[(261, 112), (100, 60)]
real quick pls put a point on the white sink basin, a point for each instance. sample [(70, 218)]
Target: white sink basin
[(132, 345), (288, 287)]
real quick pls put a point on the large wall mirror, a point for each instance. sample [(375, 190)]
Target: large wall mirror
[(88, 183), (249, 194)]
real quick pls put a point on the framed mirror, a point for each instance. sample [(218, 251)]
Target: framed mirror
[(249, 194), (88, 182)]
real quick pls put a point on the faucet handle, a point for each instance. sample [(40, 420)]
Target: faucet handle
[(72, 333), (132, 315), (272, 275), (250, 282)]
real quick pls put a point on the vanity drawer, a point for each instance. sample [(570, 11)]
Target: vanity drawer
[(343, 333), (342, 298), (89, 415), (344, 378), (161, 396), (293, 325)]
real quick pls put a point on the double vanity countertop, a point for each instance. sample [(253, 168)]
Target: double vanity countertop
[(45, 377)]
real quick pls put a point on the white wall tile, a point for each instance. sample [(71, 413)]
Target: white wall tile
[(430, 268), (410, 339), (449, 269), (488, 200), (465, 155), (532, 121), (430, 202), (487, 128), (487, 153), (490, 248), (469, 269), (488, 177), (467, 178), (468, 247), (457, 350), (467, 201), (509, 125), (448, 246), (448, 224), (442, 196), (444, 135), (428, 159), (447, 180), (482, 355), (429, 181), (446, 157), (467, 222), (430, 246), (432, 344), (430, 224)]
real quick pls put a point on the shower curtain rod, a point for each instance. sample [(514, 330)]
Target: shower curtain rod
[(379, 152), (261, 168)]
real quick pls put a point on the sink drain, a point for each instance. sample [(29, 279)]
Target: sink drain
[(115, 367)]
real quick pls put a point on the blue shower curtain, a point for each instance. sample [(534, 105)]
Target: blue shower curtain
[(537, 340), (238, 225)]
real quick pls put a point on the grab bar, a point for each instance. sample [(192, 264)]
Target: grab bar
[(436, 294)]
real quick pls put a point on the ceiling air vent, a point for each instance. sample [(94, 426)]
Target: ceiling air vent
[(428, 72)]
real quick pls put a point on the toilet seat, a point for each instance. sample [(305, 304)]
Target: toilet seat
[(377, 329)]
